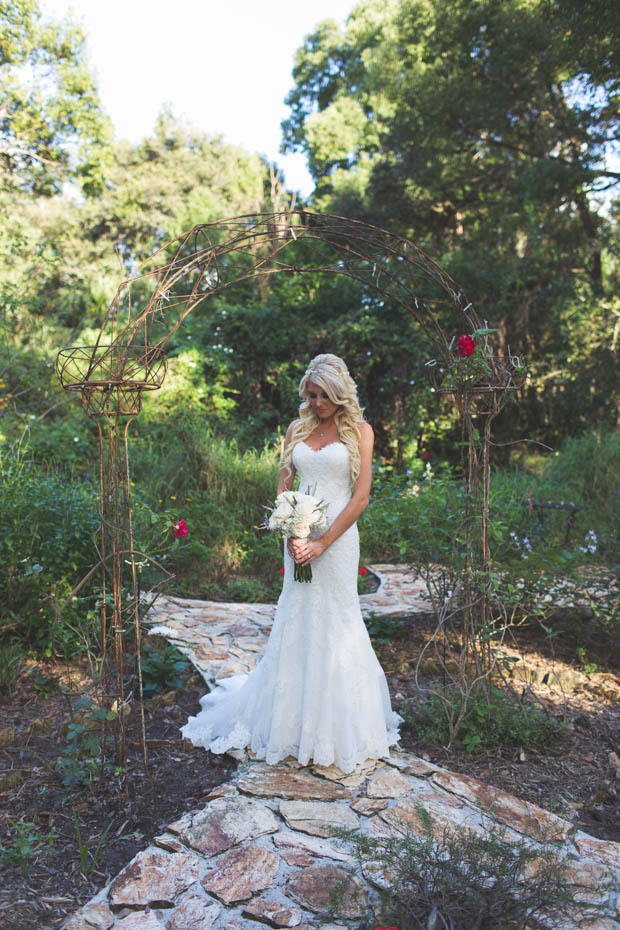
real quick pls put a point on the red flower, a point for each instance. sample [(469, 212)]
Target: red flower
[(180, 529), (282, 570), (362, 571), (466, 346), (425, 454)]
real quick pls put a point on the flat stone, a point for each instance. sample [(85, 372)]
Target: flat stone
[(317, 817), (273, 913), (312, 886), (221, 791), (140, 921), (525, 818), (194, 913), (368, 806), (154, 877), (241, 872), (420, 767), (279, 781), (351, 779), (166, 841), (97, 916), (226, 822), (605, 851), (389, 784), (307, 844), (444, 818)]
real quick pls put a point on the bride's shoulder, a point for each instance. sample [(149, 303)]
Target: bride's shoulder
[(366, 431), (290, 430)]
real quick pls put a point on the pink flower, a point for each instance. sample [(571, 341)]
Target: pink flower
[(466, 346), (180, 529)]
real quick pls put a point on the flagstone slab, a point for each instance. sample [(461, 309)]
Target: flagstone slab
[(153, 877), (525, 818), (406, 816), (353, 779), (140, 921), (95, 916), (227, 821), (273, 913), (241, 872), (368, 806), (317, 817), (313, 887), (605, 851), (195, 912), (389, 783), (278, 781), (308, 844)]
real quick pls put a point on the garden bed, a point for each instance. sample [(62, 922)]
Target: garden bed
[(33, 739)]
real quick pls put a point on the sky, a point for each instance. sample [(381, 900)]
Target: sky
[(224, 65)]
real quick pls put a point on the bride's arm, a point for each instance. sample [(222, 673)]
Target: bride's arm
[(287, 475), (307, 550)]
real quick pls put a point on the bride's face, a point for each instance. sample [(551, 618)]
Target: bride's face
[(319, 401)]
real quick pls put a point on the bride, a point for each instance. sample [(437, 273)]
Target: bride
[(319, 692)]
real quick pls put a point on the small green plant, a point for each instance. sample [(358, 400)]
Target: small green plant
[(81, 760), (26, 842), (589, 668), (245, 590), (162, 671), (11, 658), (85, 854), (383, 629), (493, 720), (464, 879)]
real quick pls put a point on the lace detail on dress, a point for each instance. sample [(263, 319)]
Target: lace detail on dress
[(319, 692)]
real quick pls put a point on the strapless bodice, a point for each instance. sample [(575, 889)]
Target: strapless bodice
[(325, 472)]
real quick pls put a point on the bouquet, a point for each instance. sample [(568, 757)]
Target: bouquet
[(295, 515)]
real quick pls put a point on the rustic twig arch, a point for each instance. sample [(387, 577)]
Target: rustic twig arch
[(128, 358)]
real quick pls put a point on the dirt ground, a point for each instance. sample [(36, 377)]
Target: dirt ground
[(31, 787), (572, 776)]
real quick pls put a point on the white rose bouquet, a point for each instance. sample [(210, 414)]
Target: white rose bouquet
[(295, 514)]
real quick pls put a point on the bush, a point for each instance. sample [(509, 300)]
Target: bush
[(46, 546), (465, 880), (496, 720)]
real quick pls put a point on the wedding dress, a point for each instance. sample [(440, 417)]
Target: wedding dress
[(319, 692)]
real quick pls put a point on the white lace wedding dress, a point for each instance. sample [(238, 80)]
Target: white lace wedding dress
[(319, 692)]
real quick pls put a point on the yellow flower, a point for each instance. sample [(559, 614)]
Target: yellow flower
[(172, 497), (188, 498)]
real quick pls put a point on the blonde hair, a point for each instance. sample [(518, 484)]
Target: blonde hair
[(332, 375)]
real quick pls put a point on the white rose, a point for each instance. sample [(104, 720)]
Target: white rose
[(301, 530), (282, 511), (305, 507)]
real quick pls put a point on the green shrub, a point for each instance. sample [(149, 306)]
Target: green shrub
[(247, 591), (11, 658), (496, 720), (46, 547), (463, 880), (162, 670)]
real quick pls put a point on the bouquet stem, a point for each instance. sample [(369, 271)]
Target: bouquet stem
[(302, 572)]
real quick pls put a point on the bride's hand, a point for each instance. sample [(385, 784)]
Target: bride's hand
[(304, 551)]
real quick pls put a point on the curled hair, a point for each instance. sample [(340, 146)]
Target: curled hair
[(330, 374)]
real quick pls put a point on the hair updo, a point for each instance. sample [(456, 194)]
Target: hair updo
[(330, 374)]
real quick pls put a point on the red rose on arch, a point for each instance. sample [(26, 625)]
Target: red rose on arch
[(282, 570), (362, 571), (180, 529), (466, 346)]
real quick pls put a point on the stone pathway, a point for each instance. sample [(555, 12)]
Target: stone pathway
[(260, 850)]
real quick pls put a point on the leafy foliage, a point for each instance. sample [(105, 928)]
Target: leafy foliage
[(496, 720)]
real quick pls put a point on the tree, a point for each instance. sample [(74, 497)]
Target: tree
[(52, 127), (477, 130)]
